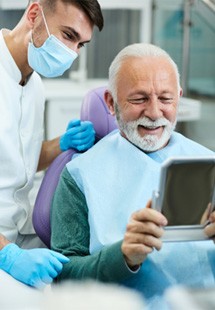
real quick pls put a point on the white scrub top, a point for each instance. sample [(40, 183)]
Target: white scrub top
[(21, 135)]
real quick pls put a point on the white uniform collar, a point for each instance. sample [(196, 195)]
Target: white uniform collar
[(6, 59)]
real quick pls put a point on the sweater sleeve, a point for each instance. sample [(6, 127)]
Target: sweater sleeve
[(71, 234)]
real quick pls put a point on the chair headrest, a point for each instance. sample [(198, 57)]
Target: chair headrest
[(94, 109)]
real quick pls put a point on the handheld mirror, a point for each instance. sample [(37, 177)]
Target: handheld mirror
[(186, 196)]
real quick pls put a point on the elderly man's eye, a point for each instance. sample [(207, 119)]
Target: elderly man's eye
[(166, 99), (137, 100)]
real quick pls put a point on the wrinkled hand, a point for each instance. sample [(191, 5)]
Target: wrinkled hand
[(79, 135), (205, 217), (143, 233), (36, 267), (210, 228)]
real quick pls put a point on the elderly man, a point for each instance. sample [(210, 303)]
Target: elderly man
[(46, 40), (101, 215)]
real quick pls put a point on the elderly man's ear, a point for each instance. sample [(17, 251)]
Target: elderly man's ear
[(109, 101)]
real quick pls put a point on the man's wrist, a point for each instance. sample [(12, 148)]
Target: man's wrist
[(132, 267), (3, 241)]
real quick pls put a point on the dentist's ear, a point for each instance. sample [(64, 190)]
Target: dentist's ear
[(109, 101), (32, 13)]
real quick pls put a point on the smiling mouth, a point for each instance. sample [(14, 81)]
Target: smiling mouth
[(150, 128)]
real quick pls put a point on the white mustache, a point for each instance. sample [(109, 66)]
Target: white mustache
[(146, 122)]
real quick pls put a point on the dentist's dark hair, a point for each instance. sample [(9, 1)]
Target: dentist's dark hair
[(90, 7)]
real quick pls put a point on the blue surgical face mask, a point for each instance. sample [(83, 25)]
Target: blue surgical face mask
[(51, 59)]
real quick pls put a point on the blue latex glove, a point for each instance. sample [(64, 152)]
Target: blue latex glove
[(79, 135), (36, 267)]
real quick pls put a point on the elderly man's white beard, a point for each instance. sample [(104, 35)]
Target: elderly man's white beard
[(147, 143)]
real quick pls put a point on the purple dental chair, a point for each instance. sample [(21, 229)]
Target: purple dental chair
[(95, 110)]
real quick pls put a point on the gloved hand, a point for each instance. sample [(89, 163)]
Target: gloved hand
[(36, 267), (79, 135)]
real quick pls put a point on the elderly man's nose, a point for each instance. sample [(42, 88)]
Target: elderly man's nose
[(153, 110)]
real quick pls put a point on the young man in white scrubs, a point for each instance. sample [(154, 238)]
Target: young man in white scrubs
[(47, 40)]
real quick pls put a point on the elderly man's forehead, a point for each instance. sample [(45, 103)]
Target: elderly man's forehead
[(145, 67), (134, 69), (136, 61)]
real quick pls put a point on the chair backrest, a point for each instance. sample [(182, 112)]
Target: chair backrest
[(95, 110)]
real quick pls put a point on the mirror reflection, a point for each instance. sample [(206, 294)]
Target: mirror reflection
[(188, 193)]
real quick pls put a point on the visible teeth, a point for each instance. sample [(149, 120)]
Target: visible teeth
[(150, 127)]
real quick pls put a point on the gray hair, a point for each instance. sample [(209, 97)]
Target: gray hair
[(136, 50)]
